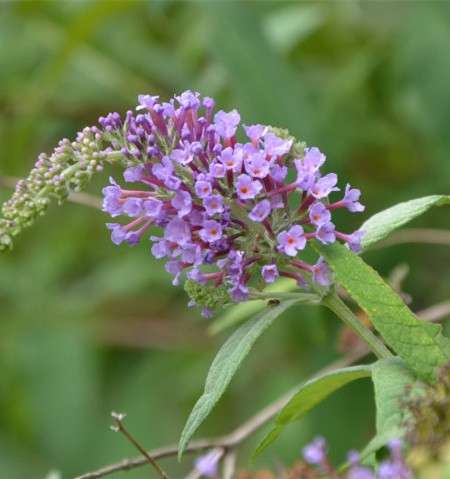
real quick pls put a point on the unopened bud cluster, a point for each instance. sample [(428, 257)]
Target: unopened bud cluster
[(68, 169)]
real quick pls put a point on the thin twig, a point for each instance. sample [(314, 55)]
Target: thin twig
[(229, 441), (120, 427), (434, 313), (415, 235), (229, 465)]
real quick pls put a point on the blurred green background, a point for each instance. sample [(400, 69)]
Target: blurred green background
[(87, 327)]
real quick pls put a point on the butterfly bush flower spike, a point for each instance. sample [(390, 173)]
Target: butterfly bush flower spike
[(223, 213)]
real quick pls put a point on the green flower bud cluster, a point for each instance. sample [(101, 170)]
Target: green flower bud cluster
[(429, 428), (431, 413), (66, 170), (207, 296)]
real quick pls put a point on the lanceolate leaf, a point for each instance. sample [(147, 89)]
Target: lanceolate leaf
[(225, 365), (309, 395), (382, 224), (419, 343), (391, 378)]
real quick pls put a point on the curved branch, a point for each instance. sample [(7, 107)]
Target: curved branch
[(229, 441), (416, 235)]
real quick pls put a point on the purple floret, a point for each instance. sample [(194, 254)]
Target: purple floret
[(315, 452), (260, 211), (291, 241)]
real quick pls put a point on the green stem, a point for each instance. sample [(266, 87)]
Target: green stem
[(310, 298), (333, 302)]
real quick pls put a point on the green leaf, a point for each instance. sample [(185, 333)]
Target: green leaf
[(383, 223), (309, 395), (419, 343), (237, 313), (225, 365), (390, 378)]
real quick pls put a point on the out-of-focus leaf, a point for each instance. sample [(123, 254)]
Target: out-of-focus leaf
[(53, 475), (292, 24), (267, 89), (225, 365), (420, 343), (385, 222), (308, 396)]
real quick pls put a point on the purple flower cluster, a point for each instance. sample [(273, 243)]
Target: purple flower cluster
[(219, 201), (315, 454)]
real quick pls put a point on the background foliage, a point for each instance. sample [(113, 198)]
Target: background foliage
[(87, 327)]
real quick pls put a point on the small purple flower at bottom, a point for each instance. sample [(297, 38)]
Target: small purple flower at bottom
[(260, 211), (315, 452), (394, 470), (270, 273), (395, 467), (292, 240), (356, 471), (208, 464), (212, 231)]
